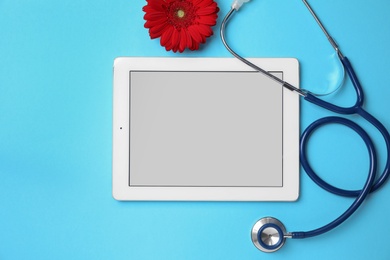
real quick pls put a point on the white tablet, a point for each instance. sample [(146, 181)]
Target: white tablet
[(205, 129)]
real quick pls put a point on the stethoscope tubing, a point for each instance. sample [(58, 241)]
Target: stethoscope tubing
[(386, 137), (337, 109), (357, 109), (371, 185), (360, 195)]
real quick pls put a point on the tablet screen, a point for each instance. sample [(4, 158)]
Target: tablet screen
[(191, 128)]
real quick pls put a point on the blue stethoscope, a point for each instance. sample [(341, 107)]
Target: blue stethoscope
[(269, 234)]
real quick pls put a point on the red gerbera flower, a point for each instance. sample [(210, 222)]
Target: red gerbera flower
[(181, 24)]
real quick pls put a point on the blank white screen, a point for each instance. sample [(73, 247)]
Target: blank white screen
[(206, 129)]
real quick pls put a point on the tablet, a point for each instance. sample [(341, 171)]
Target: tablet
[(205, 129)]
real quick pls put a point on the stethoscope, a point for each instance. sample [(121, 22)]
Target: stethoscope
[(269, 234)]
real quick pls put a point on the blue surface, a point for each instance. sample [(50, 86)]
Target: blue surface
[(55, 137)]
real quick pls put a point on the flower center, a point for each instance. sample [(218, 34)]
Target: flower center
[(180, 13)]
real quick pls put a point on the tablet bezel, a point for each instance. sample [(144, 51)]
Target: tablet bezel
[(121, 103)]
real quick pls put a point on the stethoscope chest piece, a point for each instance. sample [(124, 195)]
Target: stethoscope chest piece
[(268, 234)]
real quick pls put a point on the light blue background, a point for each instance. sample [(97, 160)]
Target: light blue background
[(55, 134)]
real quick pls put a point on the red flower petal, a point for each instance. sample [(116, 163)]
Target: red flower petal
[(195, 46), (183, 40), (206, 11), (205, 30), (157, 31), (153, 23), (208, 20), (155, 4), (175, 39), (166, 36), (154, 16), (195, 34), (203, 3)]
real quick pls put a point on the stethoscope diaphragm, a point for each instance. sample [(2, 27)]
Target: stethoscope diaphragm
[(269, 234)]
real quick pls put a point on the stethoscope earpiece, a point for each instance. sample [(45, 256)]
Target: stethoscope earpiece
[(269, 234)]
